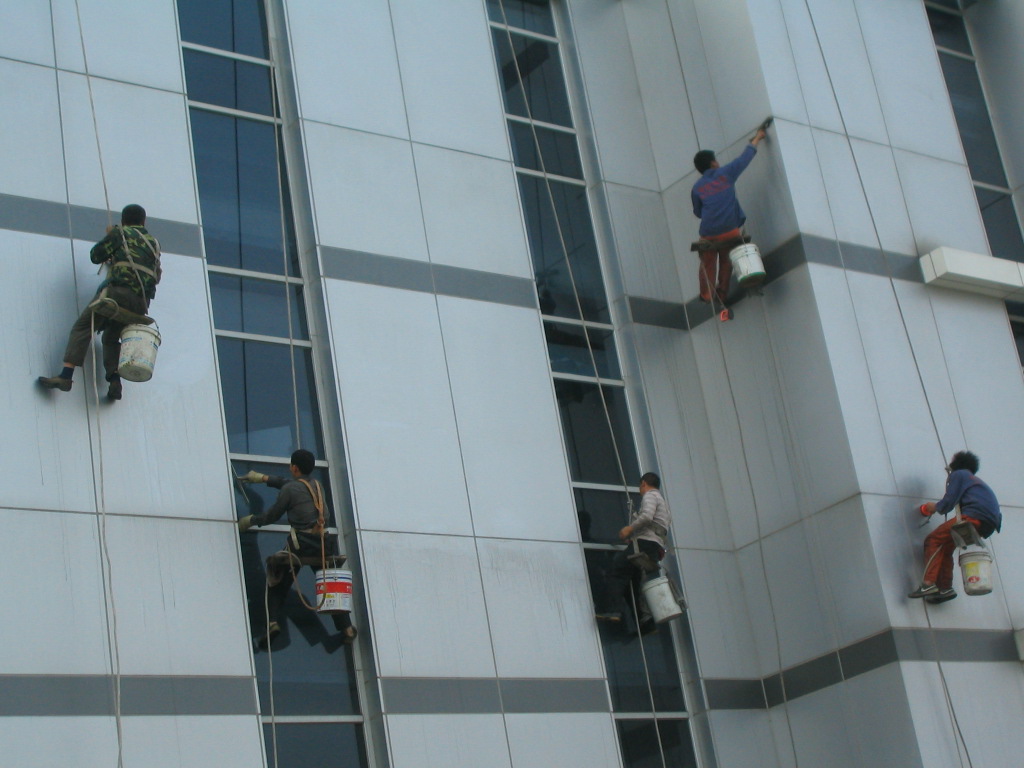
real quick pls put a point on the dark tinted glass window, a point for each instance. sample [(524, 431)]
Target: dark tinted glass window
[(602, 514), (236, 166), (973, 120), (312, 666), (559, 151), (588, 440), (624, 659), (536, 62), (567, 347), (257, 306), (639, 740), (228, 82), (304, 745), (1017, 327), (256, 498), (1001, 224), (534, 15), (259, 402), (949, 31), (231, 25), (551, 237)]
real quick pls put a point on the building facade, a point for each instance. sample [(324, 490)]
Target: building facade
[(446, 247)]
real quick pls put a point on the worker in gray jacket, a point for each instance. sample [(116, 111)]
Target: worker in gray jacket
[(646, 535)]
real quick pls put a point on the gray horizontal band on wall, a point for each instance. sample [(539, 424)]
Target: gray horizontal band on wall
[(893, 645), (93, 695), (798, 250), (44, 217), (480, 696), (422, 276)]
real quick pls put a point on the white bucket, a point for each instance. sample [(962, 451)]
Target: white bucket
[(139, 344), (746, 262), (661, 599), (333, 590), (976, 569)]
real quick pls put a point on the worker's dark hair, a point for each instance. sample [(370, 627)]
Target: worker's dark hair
[(651, 479), (133, 215), (703, 160), (304, 460), (964, 460)]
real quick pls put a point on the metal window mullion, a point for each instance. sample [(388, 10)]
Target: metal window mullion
[(267, 276), (312, 719), (619, 383), (523, 32), (228, 111), (540, 124), (227, 54), (585, 486), (670, 715), (577, 322), (279, 340), (552, 177), (992, 187), (265, 459), (956, 54)]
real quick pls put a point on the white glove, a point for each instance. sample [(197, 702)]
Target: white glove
[(252, 476)]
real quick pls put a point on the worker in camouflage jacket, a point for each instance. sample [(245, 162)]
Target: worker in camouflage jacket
[(132, 256)]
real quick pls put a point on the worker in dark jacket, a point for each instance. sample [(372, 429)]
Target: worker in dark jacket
[(721, 217), (132, 256), (301, 500), (978, 506)]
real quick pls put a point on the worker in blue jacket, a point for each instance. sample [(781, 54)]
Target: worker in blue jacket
[(978, 506), (721, 217)]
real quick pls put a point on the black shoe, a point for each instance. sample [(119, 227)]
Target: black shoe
[(925, 590), (114, 390), (647, 627), (942, 596), (55, 382), (613, 616), (272, 631)]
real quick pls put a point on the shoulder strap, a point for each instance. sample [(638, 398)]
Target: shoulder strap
[(318, 503), (155, 250)]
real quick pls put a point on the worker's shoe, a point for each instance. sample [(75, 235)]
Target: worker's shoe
[(647, 626), (273, 630), (114, 389), (611, 616), (942, 596), (925, 590), (55, 382)]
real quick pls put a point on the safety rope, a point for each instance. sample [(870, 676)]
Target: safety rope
[(586, 336)]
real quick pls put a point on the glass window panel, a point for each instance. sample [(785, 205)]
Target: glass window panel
[(259, 400), (558, 149), (973, 121), (533, 15), (248, 305), (231, 25), (543, 86), (588, 439), (312, 666), (255, 498), (602, 514), (1001, 224), (624, 659), (949, 31), (1017, 328), (639, 742), (947, 3), (555, 285), (567, 348), (228, 82), (305, 745), (239, 194)]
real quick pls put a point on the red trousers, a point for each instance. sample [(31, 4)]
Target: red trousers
[(938, 554), (716, 268)]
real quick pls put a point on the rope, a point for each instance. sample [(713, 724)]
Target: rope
[(586, 336)]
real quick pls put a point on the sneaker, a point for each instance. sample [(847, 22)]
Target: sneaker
[(942, 596), (55, 382), (611, 616), (924, 591), (647, 626), (114, 389), (272, 631)]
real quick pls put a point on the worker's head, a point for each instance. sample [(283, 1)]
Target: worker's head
[(651, 480), (303, 461), (133, 215), (704, 159), (964, 460)]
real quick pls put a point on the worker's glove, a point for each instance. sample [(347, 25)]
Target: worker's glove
[(923, 509), (244, 523), (252, 476)]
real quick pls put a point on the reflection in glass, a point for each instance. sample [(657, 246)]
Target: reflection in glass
[(588, 440), (639, 740), (567, 348), (256, 498), (309, 676), (558, 149), (602, 514), (536, 62), (973, 121), (231, 25), (248, 305), (228, 82), (949, 31), (624, 659), (240, 196), (546, 234), (305, 745), (1001, 224), (534, 15), (259, 405)]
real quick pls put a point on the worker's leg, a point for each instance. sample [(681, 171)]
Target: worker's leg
[(938, 555), (724, 275), (617, 580), (707, 272), (126, 299)]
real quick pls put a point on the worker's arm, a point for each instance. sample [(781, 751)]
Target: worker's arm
[(644, 518), (758, 137), (698, 204), (105, 249), (956, 484)]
